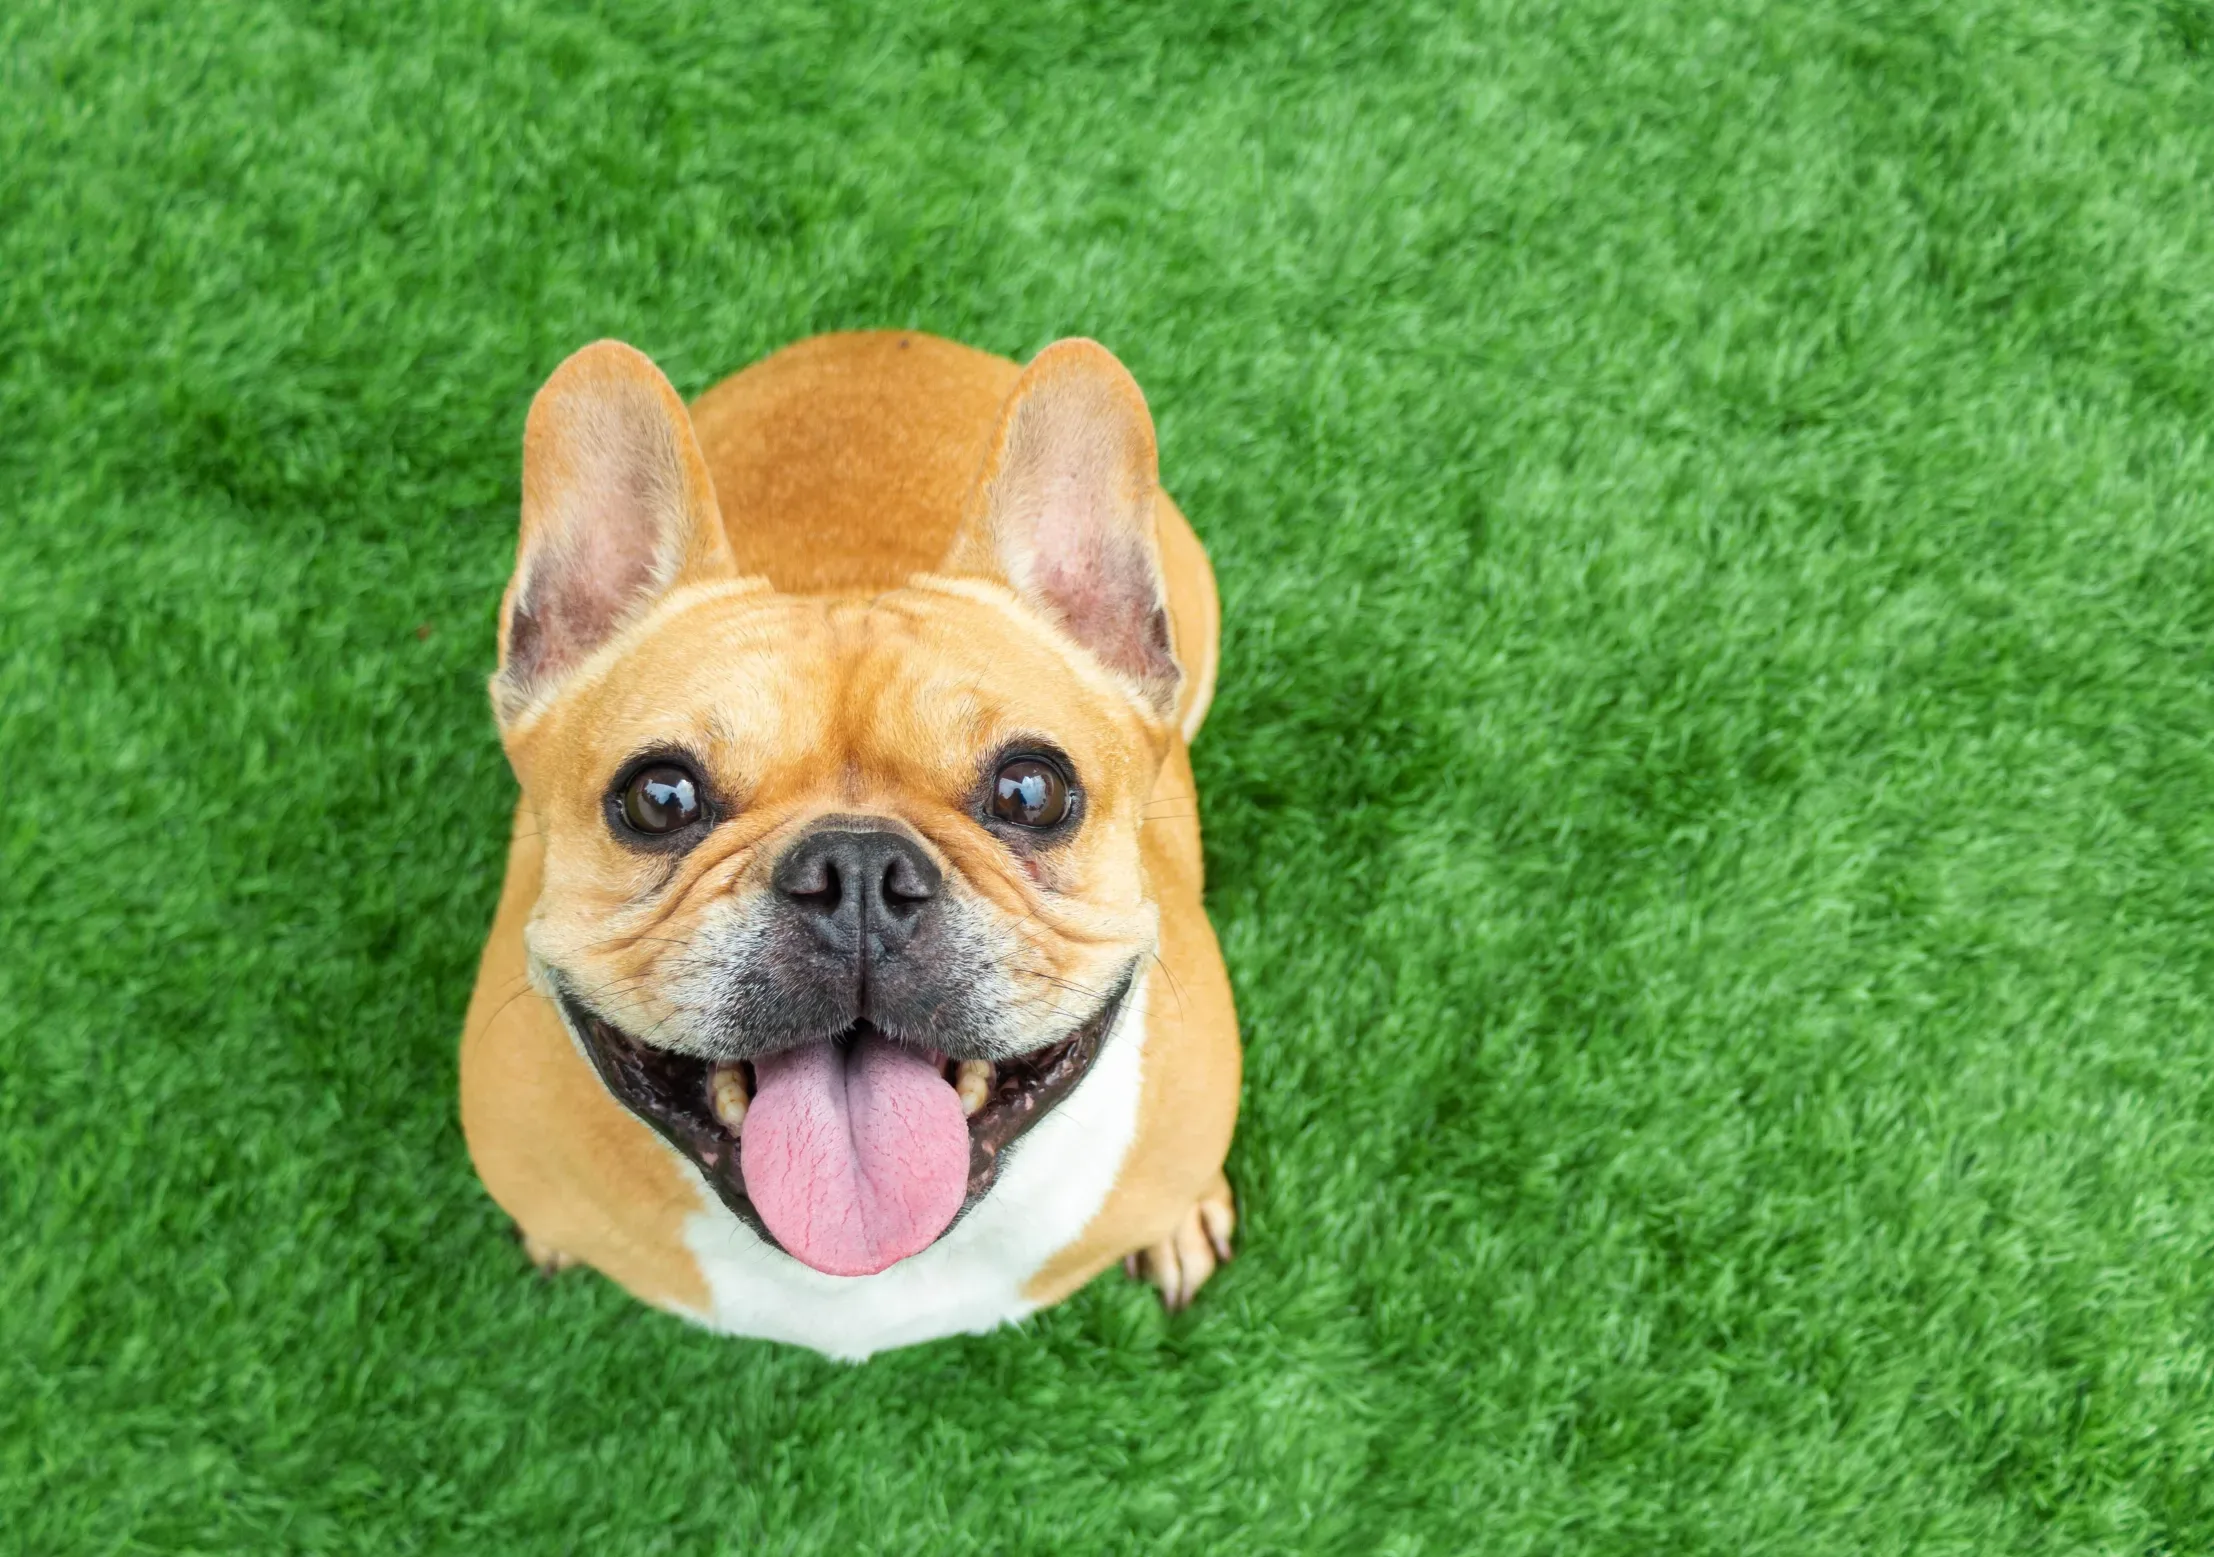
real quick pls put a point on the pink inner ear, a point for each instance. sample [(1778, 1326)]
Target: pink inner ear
[(575, 598), (1099, 581), (612, 494), (1072, 507)]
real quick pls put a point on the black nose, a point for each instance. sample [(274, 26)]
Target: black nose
[(864, 894)]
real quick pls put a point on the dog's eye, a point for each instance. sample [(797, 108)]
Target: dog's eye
[(661, 799), (1030, 792)]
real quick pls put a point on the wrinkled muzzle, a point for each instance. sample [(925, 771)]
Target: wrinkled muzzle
[(856, 1100)]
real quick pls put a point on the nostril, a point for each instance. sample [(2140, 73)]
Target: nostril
[(904, 886), (817, 886)]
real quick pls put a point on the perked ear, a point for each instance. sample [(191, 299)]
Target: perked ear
[(1063, 512), (618, 508)]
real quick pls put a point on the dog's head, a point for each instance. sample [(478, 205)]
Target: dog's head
[(840, 895)]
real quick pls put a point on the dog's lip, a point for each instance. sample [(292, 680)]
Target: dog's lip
[(668, 1091)]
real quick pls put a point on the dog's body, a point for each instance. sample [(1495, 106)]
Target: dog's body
[(955, 558)]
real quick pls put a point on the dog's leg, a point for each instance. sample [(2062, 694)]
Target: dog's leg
[(544, 1257), (1181, 1263)]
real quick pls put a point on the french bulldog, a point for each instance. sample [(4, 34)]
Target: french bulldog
[(850, 984)]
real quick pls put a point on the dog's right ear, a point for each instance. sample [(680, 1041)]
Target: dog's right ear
[(618, 509)]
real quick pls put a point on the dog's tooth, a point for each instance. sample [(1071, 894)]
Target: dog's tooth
[(974, 1082), (726, 1090)]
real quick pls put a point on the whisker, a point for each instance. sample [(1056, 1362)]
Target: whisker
[(1175, 988)]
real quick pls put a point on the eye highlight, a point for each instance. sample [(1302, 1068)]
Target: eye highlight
[(1031, 792), (661, 798)]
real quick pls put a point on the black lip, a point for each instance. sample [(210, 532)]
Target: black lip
[(669, 1092)]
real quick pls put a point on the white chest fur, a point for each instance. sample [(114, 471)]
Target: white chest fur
[(1054, 1183)]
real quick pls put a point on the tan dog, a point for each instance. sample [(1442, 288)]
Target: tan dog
[(850, 984)]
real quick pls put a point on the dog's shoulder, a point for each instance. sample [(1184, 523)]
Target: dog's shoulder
[(841, 463)]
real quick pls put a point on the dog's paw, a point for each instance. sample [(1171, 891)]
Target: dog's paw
[(1180, 1264), (544, 1257)]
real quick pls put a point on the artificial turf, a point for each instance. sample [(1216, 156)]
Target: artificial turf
[(1708, 804)]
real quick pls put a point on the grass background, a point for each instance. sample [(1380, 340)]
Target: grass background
[(1708, 804)]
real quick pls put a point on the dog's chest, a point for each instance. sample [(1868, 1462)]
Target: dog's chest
[(973, 1278)]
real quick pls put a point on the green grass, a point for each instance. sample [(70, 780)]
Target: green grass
[(1710, 805)]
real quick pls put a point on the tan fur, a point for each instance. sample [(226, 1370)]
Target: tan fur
[(843, 468), (578, 1172)]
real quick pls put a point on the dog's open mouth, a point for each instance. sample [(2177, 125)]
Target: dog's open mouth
[(850, 1153)]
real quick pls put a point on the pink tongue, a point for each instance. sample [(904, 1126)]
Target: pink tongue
[(855, 1158)]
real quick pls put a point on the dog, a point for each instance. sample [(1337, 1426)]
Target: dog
[(850, 984)]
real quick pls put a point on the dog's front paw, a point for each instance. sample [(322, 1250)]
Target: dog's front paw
[(1181, 1263), (544, 1257)]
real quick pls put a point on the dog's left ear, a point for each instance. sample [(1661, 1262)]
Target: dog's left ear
[(1063, 512), (618, 509)]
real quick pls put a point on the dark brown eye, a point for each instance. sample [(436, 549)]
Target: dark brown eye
[(1030, 792), (661, 799)]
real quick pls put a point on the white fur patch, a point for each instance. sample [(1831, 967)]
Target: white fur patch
[(1054, 1182)]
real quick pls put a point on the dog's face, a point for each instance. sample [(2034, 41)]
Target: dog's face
[(840, 895)]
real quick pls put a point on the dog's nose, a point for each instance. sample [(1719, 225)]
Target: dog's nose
[(864, 893)]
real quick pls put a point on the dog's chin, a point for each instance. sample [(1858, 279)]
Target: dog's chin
[(702, 1108)]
